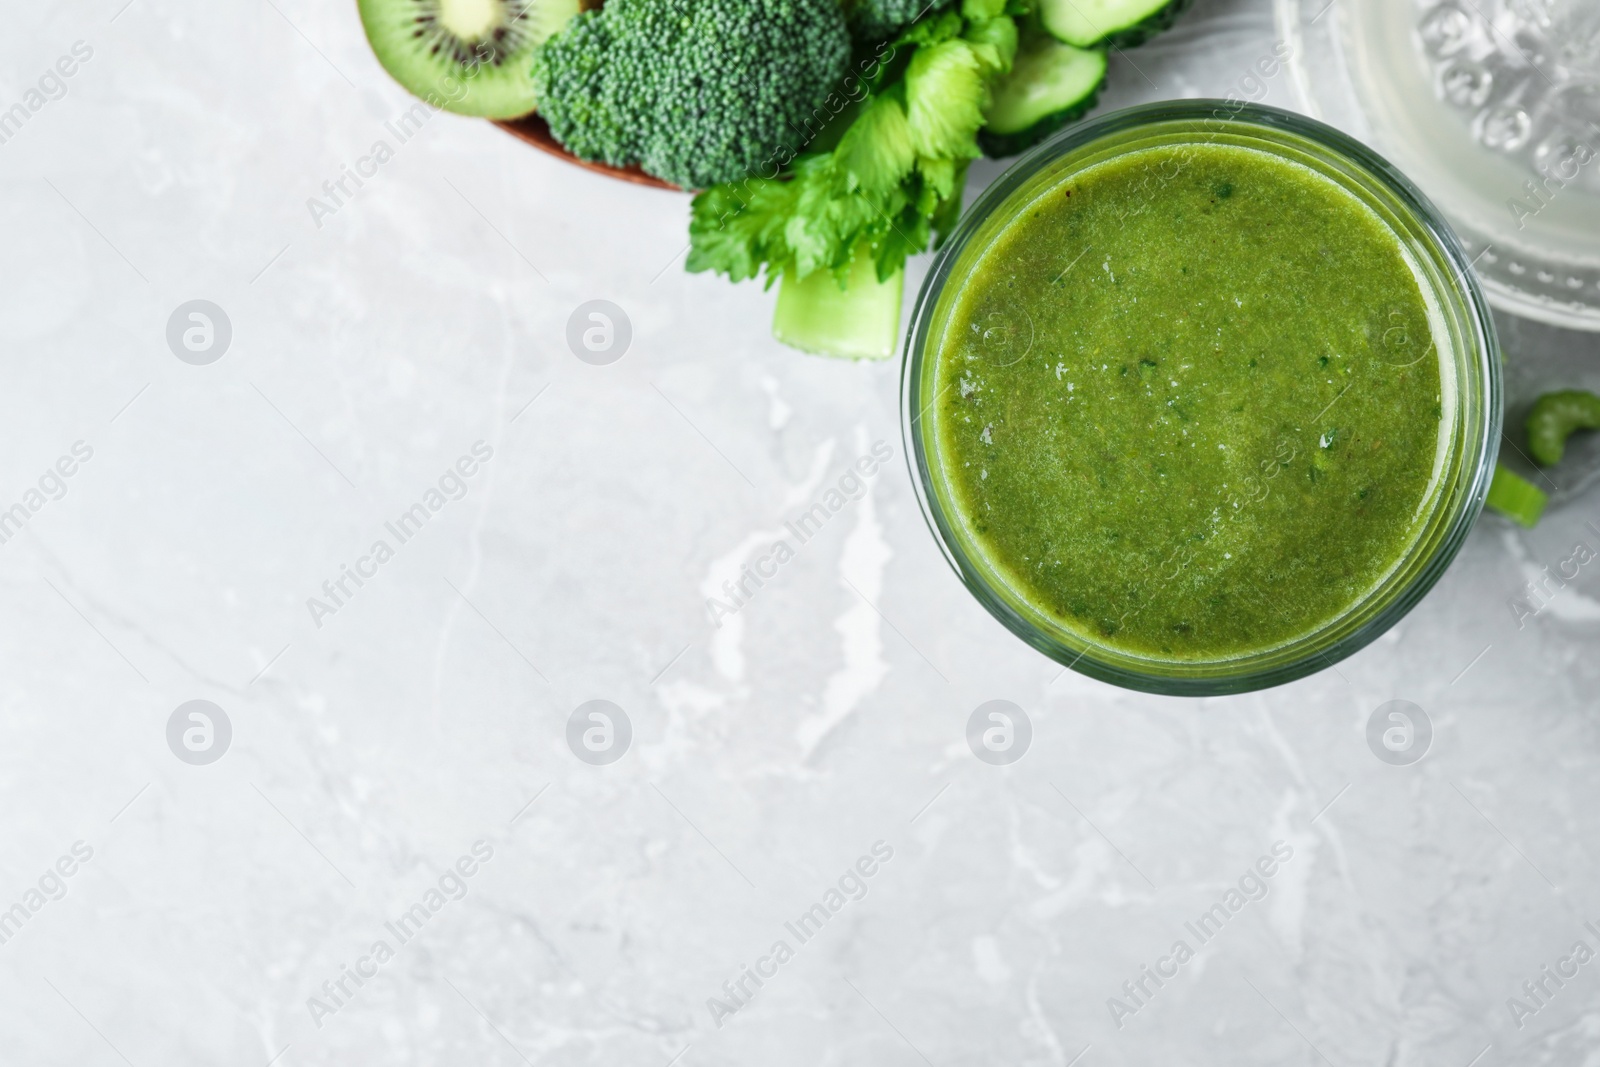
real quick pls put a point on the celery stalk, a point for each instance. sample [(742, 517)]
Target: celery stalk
[(1515, 497), (859, 321)]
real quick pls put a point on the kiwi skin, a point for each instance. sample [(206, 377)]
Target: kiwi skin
[(485, 72)]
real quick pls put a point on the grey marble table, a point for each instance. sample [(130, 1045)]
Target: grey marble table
[(400, 859)]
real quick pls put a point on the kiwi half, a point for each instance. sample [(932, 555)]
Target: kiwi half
[(473, 57)]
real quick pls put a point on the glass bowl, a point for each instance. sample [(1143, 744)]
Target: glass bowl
[(1469, 374)]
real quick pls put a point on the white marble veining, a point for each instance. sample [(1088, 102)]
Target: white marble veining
[(427, 716)]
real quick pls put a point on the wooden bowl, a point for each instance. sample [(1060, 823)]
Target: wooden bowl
[(535, 131)]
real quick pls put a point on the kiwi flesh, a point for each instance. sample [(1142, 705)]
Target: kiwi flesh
[(473, 57)]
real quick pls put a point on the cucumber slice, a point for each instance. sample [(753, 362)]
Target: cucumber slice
[(1050, 84), (1111, 23)]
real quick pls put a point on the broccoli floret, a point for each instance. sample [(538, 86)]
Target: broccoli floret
[(583, 96), (877, 20), (694, 91)]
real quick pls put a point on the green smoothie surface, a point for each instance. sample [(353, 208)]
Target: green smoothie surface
[(1187, 402)]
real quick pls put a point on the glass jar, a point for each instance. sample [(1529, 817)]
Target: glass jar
[(1464, 338)]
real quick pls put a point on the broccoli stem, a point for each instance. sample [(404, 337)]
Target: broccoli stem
[(859, 321)]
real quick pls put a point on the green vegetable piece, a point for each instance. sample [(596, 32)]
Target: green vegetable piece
[(1554, 417), (738, 228), (932, 29), (877, 151), (860, 320), (1109, 23), (995, 42), (1515, 497), (695, 91), (946, 88), (877, 20), (1050, 85)]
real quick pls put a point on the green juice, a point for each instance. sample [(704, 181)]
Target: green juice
[(1187, 403)]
